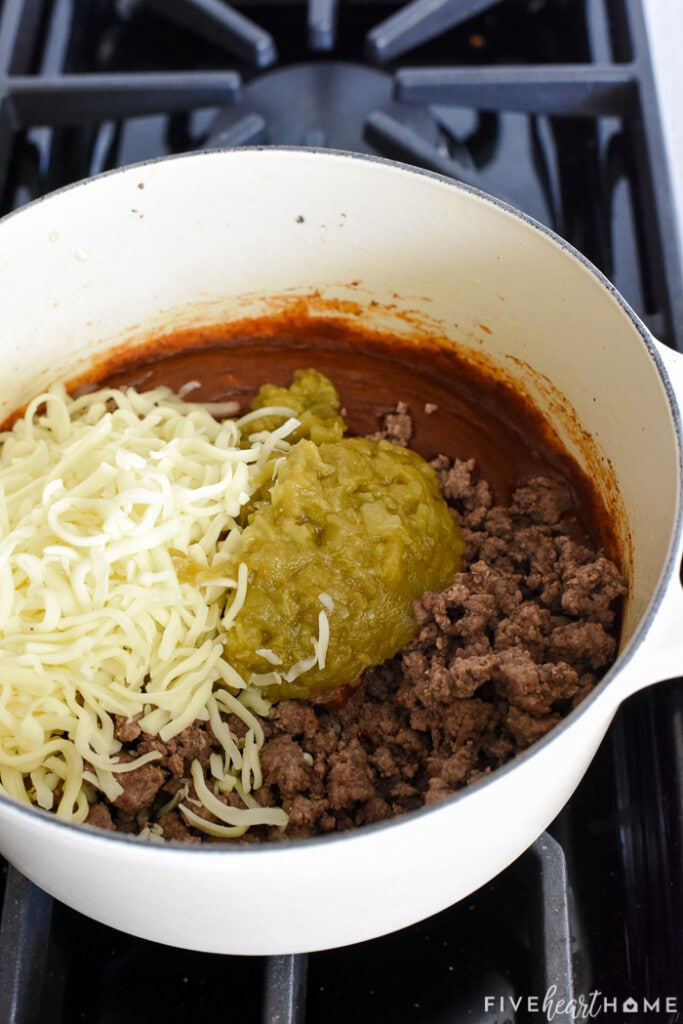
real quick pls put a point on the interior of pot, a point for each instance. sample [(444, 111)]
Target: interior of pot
[(220, 236)]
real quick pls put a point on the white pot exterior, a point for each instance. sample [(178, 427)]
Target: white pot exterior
[(213, 236)]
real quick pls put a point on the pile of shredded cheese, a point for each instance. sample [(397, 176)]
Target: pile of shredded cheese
[(117, 509)]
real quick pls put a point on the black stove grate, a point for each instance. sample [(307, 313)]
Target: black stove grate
[(55, 966), (550, 104)]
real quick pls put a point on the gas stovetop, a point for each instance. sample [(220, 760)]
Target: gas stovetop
[(550, 105)]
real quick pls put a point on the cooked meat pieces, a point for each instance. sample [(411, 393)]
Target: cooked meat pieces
[(140, 787)]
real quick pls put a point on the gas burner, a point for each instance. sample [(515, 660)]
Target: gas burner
[(333, 105)]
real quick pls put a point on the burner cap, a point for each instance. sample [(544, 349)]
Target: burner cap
[(316, 104)]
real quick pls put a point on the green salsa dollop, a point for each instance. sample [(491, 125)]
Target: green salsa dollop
[(352, 528)]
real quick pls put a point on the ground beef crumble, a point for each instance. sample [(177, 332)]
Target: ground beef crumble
[(518, 639)]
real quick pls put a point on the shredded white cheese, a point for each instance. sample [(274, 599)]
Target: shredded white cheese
[(112, 505)]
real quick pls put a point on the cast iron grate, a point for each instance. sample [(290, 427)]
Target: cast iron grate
[(510, 938)]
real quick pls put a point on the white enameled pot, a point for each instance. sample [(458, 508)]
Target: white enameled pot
[(211, 236)]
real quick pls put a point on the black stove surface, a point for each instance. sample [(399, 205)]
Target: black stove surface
[(549, 104)]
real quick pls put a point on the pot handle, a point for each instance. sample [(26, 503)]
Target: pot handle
[(664, 646)]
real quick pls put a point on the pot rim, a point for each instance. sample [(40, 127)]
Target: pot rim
[(173, 848)]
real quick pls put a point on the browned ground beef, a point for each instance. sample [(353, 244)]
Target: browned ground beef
[(518, 639)]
